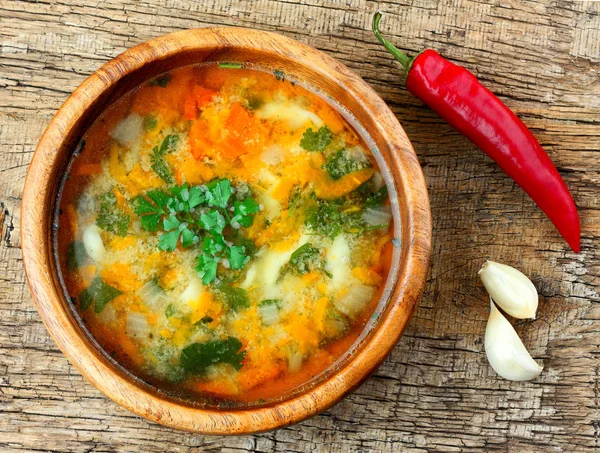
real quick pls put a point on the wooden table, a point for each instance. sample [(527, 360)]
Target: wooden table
[(436, 392)]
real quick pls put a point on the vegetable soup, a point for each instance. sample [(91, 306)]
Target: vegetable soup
[(224, 233)]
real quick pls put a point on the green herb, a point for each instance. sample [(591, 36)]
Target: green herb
[(243, 212), (341, 163), (161, 81), (206, 320), (264, 302), (170, 310), (377, 198), (111, 218), (197, 357), (305, 258), (316, 141), (149, 122), (76, 255), (218, 193), (236, 298), (99, 294), (201, 214), (326, 219), (158, 163), (230, 65)]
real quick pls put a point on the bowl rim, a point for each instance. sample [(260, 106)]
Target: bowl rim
[(36, 226)]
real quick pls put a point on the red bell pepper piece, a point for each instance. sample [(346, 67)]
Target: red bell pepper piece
[(458, 97)]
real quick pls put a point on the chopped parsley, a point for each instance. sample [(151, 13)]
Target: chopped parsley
[(341, 163), (207, 215), (99, 294), (234, 297), (76, 255), (170, 310), (197, 357), (316, 141), (111, 218), (158, 163), (305, 259)]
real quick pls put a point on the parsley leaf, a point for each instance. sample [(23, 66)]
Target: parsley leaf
[(341, 163), (218, 193), (236, 298), (76, 255), (197, 357), (377, 198), (305, 258), (237, 256), (111, 218), (243, 212), (325, 219), (213, 221), (316, 141), (207, 268), (159, 166), (98, 293), (149, 122), (168, 241)]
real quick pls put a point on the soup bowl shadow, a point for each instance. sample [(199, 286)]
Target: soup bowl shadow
[(408, 194)]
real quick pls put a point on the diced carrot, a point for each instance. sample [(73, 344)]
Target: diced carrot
[(72, 218), (367, 276), (196, 172), (219, 387), (122, 277), (329, 189), (169, 278), (87, 274), (203, 95), (87, 169), (281, 191), (199, 139), (376, 255), (246, 135), (143, 180), (386, 257), (319, 313), (189, 107), (122, 243), (251, 376), (331, 119)]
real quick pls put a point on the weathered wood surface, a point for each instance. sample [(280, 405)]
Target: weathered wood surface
[(436, 392)]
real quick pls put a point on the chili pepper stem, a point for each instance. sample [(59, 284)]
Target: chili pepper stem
[(404, 59)]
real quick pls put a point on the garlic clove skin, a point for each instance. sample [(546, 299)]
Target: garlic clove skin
[(505, 350), (510, 289)]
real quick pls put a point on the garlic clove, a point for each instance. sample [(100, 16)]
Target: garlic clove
[(505, 350), (510, 289)]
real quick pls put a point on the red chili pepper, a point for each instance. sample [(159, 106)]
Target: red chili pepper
[(458, 97)]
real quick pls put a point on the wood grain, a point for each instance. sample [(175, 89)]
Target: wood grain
[(436, 392)]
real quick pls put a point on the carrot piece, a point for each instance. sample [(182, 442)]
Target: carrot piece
[(329, 189), (189, 107), (198, 139), (367, 276), (122, 277), (203, 95), (246, 135)]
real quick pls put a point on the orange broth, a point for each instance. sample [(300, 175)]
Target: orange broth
[(224, 233)]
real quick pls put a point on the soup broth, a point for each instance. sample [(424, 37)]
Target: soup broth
[(224, 233)]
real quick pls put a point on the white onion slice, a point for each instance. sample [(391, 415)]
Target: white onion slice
[(136, 325), (378, 215), (152, 295), (129, 130), (92, 242), (355, 300), (269, 314)]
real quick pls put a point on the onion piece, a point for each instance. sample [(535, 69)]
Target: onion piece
[(355, 300), (129, 130), (92, 242), (269, 314), (377, 215), (294, 361), (152, 295), (136, 325)]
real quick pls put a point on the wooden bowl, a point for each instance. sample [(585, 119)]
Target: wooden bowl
[(410, 205)]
